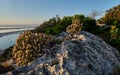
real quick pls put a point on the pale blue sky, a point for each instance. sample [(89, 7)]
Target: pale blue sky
[(37, 11)]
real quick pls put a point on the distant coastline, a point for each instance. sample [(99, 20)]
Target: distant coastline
[(8, 33), (11, 29)]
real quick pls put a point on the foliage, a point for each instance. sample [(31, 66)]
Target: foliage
[(115, 43), (80, 17), (54, 29), (6, 66), (116, 70), (114, 36), (112, 19), (29, 46), (67, 20), (111, 34), (114, 32), (6, 55), (94, 14), (103, 32), (90, 25), (112, 16), (75, 27), (47, 24), (54, 25)]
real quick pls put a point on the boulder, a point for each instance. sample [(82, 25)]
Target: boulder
[(89, 56)]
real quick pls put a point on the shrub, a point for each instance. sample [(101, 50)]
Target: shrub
[(114, 32), (112, 16), (54, 29), (90, 25), (6, 55), (54, 25), (29, 46), (75, 27), (48, 24)]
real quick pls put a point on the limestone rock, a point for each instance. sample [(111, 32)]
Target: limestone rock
[(91, 56)]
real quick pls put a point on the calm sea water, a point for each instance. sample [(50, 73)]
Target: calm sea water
[(9, 40), (13, 28)]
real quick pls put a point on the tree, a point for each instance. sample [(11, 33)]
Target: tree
[(112, 16), (94, 14)]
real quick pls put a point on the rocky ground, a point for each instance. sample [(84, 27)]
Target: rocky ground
[(84, 54)]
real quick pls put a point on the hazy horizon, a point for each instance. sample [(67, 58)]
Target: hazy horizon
[(18, 24), (37, 11)]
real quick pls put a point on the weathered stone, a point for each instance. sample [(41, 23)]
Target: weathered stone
[(63, 34), (91, 56)]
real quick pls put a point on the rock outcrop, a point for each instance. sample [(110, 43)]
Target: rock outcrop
[(86, 54)]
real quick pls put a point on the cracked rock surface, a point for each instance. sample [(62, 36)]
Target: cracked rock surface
[(91, 56)]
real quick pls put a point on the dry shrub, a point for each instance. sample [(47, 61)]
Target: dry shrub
[(29, 46), (75, 27)]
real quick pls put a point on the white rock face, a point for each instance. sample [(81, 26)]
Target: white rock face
[(88, 56), (81, 37)]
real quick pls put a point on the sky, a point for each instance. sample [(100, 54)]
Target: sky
[(38, 11)]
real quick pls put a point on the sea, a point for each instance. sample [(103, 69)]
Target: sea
[(10, 37)]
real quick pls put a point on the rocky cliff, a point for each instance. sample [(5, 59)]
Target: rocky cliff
[(84, 54)]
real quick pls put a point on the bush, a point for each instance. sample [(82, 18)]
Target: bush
[(54, 30), (89, 25), (6, 55), (75, 27), (54, 25), (29, 46), (112, 16), (113, 32), (5, 64), (48, 24)]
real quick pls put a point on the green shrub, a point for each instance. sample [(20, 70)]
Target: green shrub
[(29, 46), (115, 43), (54, 29), (5, 65), (48, 24), (54, 25), (6, 55), (89, 25)]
